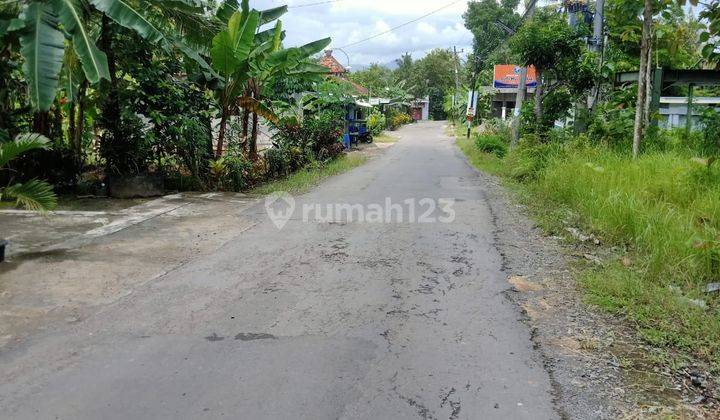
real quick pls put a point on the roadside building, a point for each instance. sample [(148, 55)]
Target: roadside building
[(674, 110), (506, 79)]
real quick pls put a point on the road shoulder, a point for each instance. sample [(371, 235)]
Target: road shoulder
[(595, 362)]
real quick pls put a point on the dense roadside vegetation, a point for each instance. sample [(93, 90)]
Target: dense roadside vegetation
[(657, 215), (175, 93)]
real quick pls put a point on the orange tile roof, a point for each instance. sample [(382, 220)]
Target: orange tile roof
[(331, 62)]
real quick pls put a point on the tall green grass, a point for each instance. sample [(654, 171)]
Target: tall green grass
[(661, 212)]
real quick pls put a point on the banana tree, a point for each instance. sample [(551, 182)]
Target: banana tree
[(44, 25), (35, 194), (272, 61), (230, 50)]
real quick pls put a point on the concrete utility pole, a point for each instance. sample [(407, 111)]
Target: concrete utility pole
[(598, 26), (457, 76), (597, 44), (522, 87)]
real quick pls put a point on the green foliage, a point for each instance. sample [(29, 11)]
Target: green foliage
[(310, 176), (23, 143), (676, 43), (34, 194), (376, 122), (43, 47), (661, 211), (710, 145), (545, 41), (299, 142), (278, 162), (231, 172), (491, 143), (41, 26), (126, 149), (375, 78), (434, 75), (529, 158), (330, 94), (396, 119), (482, 18)]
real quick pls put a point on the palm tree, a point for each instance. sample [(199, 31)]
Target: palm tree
[(35, 194)]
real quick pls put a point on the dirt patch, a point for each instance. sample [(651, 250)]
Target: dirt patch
[(521, 284)]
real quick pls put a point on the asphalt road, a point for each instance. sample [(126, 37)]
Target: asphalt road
[(336, 318)]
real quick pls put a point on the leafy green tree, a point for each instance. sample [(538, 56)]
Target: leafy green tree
[(546, 42), (434, 75), (485, 18), (375, 78), (405, 67), (230, 52)]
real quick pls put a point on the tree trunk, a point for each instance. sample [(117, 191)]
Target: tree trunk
[(648, 89), (209, 152), (639, 128), (41, 123), (253, 138), (245, 125), (112, 111), (221, 133), (72, 107), (77, 140), (538, 96)]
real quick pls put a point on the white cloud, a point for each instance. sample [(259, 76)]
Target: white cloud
[(426, 28), (350, 21)]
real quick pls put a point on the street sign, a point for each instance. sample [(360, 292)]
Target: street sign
[(472, 103)]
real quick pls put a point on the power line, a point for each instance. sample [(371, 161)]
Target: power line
[(401, 25), (317, 3)]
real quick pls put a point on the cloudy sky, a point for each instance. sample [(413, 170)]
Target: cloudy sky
[(349, 21)]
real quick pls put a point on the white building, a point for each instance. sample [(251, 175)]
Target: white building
[(673, 109)]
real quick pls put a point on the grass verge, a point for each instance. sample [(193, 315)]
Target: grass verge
[(384, 138), (658, 218), (307, 178)]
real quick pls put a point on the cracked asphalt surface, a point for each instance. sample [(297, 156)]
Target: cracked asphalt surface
[(320, 320)]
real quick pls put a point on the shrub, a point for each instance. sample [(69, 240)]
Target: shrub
[(710, 142), (397, 118), (376, 123), (325, 130), (498, 127), (239, 172), (491, 143), (277, 162), (317, 136)]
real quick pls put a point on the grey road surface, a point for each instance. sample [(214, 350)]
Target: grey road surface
[(323, 319)]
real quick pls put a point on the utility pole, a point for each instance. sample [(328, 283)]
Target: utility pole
[(597, 44), (472, 102), (457, 76), (522, 87), (598, 26)]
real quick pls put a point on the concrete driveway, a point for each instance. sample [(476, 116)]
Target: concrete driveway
[(339, 314)]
